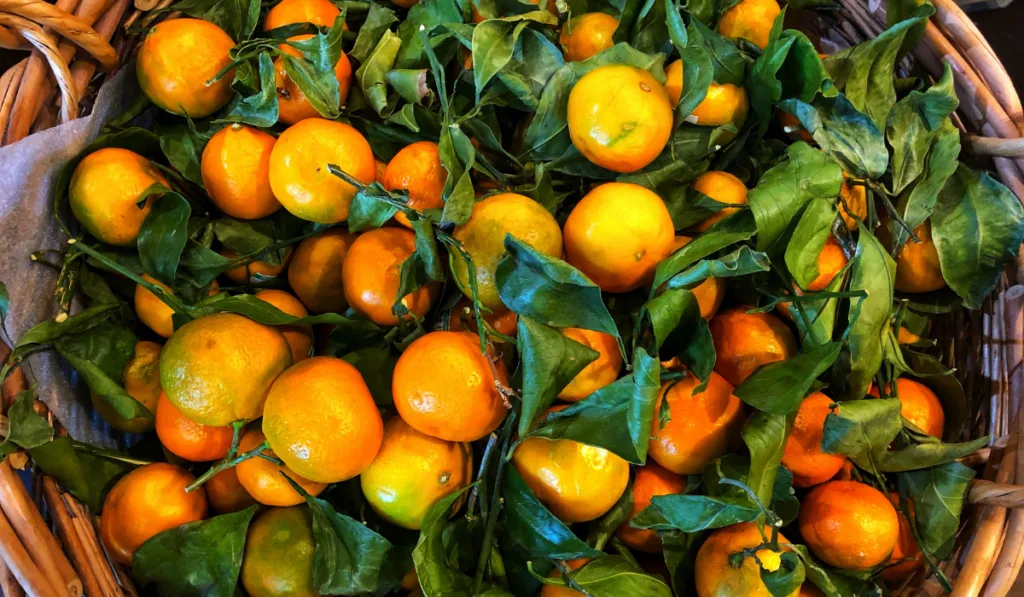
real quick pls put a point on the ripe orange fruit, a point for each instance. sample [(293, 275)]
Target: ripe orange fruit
[(142, 382), (299, 175), (621, 131), (745, 341), (587, 35), (716, 577), (710, 292), (187, 439), (724, 188), (703, 427), (557, 591), (104, 194), (461, 317), (919, 405), (146, 502), (853, 204), (217, 369), (255, 271), (382, 167), (803, 455), (226, 493), (299, 337), (412, 472), (917, 265), (155, 313), (279, 531), (292, 103), (723, 104), (320, 419), (600, 372), (235, 169), (906, 548), (848, 524), (809, 590), (263, 480), (315, 271), (321, 13), (417, 168), (791, 126), (483, 237), (617, 234), (176, 60), (444, 387), (751, 20), (371, 275), (650, 480), (831, 261)]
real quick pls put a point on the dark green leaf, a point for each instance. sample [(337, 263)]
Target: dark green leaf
[(733, 229), (85, 471), (692, 513), (259, 109), (845, 134), (873, 272), (780, 387), (938, 495), (237, 17), (535, 528), (787, 578), (863, 430), (163, 235), (25, 428), (378, 20), (313, 72), (809, 238), (100, 356), (765, 436), (913, 124), (789, 67), (349, 556), (615, 576), (925, 455)]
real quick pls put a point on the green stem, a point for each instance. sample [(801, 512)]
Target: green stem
[(169, 299), (492, 518), (569, 580), (225, 464)]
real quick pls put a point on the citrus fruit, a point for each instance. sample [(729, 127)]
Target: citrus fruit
[(651, 480), (187, 439), (381, 167), (919, 405), (723, 104), (587, 35), (723, 188), (791, 125), (177, 60), (809, 590), (262, 479), (831, 261), (445, 387), (917, 265), (621, 131), (255, 271), (461, 317), (717, 577), (299, 175), (745, 341), (412, 471), (235, 170), (320, 419), (371, 275), (483, 237), (141, 382), (104, 194), (848, 524), (146, 502), (217, 369), (710, 292), (600, 372), (155, 313), (299, 337), (703, 424), (417, 168), (803, 455), (292, 103), (274, 533), (906, 557), (315, 271), (853, 204), (226, 493), (751, 20), (321, 13), (559, 591)]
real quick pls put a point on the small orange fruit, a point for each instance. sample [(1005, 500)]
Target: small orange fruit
[(853, 204), (917, 265), (723, 104), (292, 103), (255, 271), (713, 570), (906, 557), (155, 313), (809, 590), (745, 341), (831, 261), (226, 493), (791, 126), (382, 167), (703, 425), (710, 292), (558, 591), (315, 271), (849, 524), (417, 168), (371, 275), (187, 439), (803, 455), (650, 480), (751, 20), (274, 533), (600, 372), (321, 13), (724, 188), (587, 35), (445, 387), (142, 382), (299, 337), (621, 131), (919, 405), (146, 502), (461, 317), (263, 480), (235, 169)]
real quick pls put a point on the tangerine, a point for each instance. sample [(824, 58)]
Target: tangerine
[(321, 13), (744, 341), (587, 35), (292, 103), (226, 493), (751, 20), (803, 455), (315, 271), (371, 276), (187, 439), (235, 170), (651, 480), (273, 533), (417, 168), (255, 271), (853, 204), (849, 524), (906, 557), (723, 188), (715, 574), (559, 591), (152, 311), (919, 405), (917, 265), (600, 372), (262, 478), (831, 260), (710, 292), (141, 382), (723, 104), (299, 337)]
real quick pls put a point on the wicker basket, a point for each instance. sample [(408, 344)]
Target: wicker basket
[(985, 347)]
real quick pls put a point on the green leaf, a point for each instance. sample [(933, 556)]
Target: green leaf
[(84, 470), (643, 401), (845, 134), (427, 16), (458, 190), (913, 125), (615, 576), (378, 20), (494, 40), (368, 210), (831, 583), (765, 436), (25, 428), (925, 455), (534, 527), (313, 72), (940, 164), (809, 238), (789, 67), (259, 109), (873, 272), (733, 229), (100, 356), (780, 387), (349, 556), (863, 430), (742, 262), (50, 330), (183, 143), (693, 513), (784, 501), (729, 63), (938, 495), (376, 364), (372, 73), (237, 17), (198, 558), (5, 302), (787, 578), (163, 235)]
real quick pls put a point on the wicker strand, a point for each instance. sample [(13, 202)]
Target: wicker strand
[(10, 40), (47, 46), (71, 27), (994, 146), (83, 68)]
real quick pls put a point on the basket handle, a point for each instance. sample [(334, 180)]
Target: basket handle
[(74, 28)]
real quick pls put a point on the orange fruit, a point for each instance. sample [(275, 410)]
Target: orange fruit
[(292, 103), (412, 471), (853, 204), (320, 419), (791, 126), (724, 188), (299, 174), (235, 169), (745, 341), (848, 524), (155, 313), (176, 60), (187, 439), (714, 573), (217, 369), (382, 167), (917, 265), (600, 372), (461, 317), (617, 234), (809, 590), (703, 426), (146, 502), (751, 20), (255, 271), (622, 130), (445, 387), (587, 35), (371, 275), (299, 337), (831, 261), (803, 455), (104, 194), (141, 382), (483, 237), (226, 493), (262, 479), (315, 271), (557, 591), (417, 168), (650, 480), (919, 405), (279, 531), (906, 557), (723, 104), (321, 13), (710, 292)]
